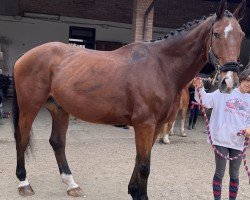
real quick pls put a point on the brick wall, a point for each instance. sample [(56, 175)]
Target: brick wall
[(175, 13), (140, 7), (105, 10), (167, 13)]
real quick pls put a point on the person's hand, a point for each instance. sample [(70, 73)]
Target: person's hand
[(197, 82), (247, 132)]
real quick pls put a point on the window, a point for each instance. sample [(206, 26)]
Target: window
[(82, 37)]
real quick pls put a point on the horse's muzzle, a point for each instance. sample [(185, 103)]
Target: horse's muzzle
[(227, 84)]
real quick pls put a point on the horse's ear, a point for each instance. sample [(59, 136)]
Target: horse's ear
[(221, 9), (240, 11)]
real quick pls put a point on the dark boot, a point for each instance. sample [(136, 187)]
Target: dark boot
[(194, 122), (190, 124)]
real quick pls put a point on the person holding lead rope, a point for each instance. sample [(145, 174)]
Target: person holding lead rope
[(230, 115)]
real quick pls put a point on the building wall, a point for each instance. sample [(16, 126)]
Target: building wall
[(9, 7), (111, 10), (19, 35), (167, 13)]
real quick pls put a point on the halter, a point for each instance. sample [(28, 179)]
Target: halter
[(214, 60), (241, 133)]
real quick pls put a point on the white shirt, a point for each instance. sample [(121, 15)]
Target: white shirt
[(230, 114)]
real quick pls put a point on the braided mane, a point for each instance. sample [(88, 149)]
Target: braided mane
[(189, 26)]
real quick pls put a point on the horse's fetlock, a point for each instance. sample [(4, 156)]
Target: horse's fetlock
[(133, 189), (56, 144), (144, 170), (21, 174), (144, 197)]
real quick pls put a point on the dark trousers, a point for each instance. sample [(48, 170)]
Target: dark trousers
[(194, 112), (234, 165)]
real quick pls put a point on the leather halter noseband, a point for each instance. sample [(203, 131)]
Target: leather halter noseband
[(214, 60)]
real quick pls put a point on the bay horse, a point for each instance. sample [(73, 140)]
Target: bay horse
[(180, 105), (135, 85)]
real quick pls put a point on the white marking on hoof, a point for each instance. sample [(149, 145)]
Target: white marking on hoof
[(69, 180), (182, 127), (23, 183), (165, 139), (171, 131), (183, 134)]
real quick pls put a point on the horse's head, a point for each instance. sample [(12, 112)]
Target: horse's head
[(224, 44)]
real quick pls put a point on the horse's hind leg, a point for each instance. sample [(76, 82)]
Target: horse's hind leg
[(60, 121), (183, 119), (166, 133), (22, 136)]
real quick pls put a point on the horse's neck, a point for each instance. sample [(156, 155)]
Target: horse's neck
[(186, 55)]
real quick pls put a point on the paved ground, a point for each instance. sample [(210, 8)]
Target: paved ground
[(102, 157)]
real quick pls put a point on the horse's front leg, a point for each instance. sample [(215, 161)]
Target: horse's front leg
[(133, 183), (60, 120), (144, 139)]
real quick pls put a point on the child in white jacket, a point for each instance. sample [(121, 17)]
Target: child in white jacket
[(230, 114)]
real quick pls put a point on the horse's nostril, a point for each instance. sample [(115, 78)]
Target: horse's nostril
[(223, 86), (223, 82)]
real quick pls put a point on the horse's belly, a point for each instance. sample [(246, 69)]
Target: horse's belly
[(102, 116), (95, 109)]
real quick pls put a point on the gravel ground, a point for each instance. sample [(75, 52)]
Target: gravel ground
[(101, 158)]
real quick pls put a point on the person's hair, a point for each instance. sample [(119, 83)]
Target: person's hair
[(244, 75)]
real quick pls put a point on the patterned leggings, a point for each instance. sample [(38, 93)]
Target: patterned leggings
[(234, 166)]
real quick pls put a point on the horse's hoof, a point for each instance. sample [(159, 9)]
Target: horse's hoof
[(75, 192), (165, 140), (184, 135), (26, 191)]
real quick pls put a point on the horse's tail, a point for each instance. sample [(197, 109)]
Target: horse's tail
[(15, 112), (15, 118)]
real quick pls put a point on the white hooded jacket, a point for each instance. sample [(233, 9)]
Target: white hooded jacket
[(230, 114)]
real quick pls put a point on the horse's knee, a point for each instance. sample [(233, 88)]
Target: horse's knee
[(55, 143), (144, 170)]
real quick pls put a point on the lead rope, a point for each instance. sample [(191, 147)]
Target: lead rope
[(241, 133)]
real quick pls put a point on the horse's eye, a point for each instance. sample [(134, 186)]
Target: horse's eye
[(217, 35)]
